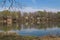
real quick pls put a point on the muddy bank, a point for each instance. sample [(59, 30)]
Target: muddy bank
[(14, 36)]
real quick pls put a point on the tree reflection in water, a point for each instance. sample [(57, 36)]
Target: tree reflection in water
[(19, 26)]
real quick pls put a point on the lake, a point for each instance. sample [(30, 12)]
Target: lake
[(27, 29)]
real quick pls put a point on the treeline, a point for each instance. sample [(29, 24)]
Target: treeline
[(9, 15), (31, 17)]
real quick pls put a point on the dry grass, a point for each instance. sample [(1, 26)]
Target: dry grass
[(14, 36)]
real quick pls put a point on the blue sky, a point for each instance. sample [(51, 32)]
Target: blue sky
[(34, 5), (41, 3)]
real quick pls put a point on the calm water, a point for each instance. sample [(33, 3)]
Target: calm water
[(27, 29)]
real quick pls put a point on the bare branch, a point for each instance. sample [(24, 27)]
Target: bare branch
[(11, 3), (3, 3)]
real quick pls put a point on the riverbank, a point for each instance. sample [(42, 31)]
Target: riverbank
[(14, 36)]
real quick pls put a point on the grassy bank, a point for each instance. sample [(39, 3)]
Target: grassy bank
[(14, 36)]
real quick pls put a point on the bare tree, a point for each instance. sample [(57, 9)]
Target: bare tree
[(11, 4)]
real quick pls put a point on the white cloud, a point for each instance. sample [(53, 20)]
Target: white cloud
[(11, 9), (4, 8), (52, 10), (31, 9)]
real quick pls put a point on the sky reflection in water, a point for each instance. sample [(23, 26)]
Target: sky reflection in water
[(39, 32)]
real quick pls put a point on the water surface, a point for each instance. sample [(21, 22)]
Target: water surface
[(42, 29)]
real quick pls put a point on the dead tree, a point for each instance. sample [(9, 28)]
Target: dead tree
[(11, 3)]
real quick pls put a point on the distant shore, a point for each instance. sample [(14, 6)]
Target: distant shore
[(37, 17)]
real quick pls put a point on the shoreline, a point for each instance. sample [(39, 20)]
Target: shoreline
[(14, 36)]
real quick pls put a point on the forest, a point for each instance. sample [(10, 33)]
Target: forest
[(31, 17)]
